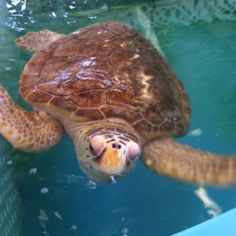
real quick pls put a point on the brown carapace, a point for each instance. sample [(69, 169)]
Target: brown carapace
[(105, 71), (102, 81)]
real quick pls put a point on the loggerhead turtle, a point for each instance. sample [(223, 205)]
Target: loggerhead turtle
[(116, 97)]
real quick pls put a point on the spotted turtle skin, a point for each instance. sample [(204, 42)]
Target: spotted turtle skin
[(107, 70)]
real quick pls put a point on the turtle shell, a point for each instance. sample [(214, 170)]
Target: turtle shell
[(103, 71)]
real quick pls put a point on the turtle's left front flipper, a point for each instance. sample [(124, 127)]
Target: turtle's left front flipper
[(167, 157), (37, 41), (27, 131)]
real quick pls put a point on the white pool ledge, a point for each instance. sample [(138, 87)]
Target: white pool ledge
[(224, 224)]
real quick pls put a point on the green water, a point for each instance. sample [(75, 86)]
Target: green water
[(57, 199)]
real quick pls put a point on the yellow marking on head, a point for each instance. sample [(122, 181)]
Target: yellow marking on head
[(112, 161)]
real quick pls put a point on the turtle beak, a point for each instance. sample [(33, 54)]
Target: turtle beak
[(112, 161)]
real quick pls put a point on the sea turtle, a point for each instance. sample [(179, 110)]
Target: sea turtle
[(116, 97)]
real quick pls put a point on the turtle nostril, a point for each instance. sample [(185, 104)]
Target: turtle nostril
[(116, 145)]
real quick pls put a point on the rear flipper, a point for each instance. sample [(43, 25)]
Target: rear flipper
[(166, 157), (27, 131), (37, 41)]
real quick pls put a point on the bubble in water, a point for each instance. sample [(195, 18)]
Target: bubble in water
[(7, 68), (53, 14), (65, 14), (33, 171), (72, 7), (45, 233), (92, 17), (91, 185), (44, 190), (196, 132), (104, 7), (73, 227), (58, 215), (43, 218), (124, 231), (9, 163)]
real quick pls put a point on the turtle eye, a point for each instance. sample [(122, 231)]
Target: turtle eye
[(92, 151), (97, 145), (133, 151)]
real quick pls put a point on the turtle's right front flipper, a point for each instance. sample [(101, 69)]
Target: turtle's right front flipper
[(27, 131)]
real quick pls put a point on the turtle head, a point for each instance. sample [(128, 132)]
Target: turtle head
[(108, 154)]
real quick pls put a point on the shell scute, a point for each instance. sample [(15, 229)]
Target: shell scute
[(63, 103), (123, 111), (88, 99), (89, 114), (38, 98)]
